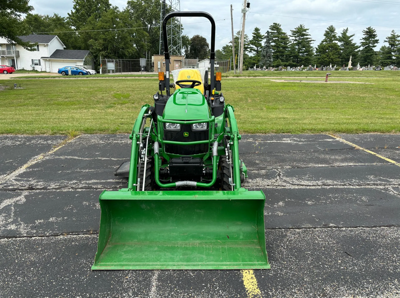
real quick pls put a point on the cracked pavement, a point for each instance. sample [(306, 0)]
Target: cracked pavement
[(331, 216)]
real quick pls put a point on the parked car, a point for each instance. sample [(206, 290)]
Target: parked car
[(6, 69), (66, 70), (90, 71)]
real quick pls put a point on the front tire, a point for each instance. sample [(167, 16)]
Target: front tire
[(225, 173), (80, 73), (149, 182)]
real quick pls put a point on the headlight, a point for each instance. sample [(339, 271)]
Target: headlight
[(172, 126), (199, 126)]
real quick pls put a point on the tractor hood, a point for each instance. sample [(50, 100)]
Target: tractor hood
[(187, 104)]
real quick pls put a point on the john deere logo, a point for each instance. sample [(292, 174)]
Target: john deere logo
[(185, 134), (188, 77)]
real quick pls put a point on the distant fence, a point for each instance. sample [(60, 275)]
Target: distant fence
[(146, 65), (190, 63), (126, 65), (223, 66)]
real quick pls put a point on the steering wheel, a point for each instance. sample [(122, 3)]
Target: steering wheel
[(194, 83)]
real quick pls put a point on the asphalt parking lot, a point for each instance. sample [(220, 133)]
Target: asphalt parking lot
[(332, 219)]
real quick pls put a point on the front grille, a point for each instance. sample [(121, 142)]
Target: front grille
[(186, 149)]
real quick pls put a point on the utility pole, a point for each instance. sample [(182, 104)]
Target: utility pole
[(245, 6), (233, 42)]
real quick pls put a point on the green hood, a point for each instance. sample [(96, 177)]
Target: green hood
[(187, 104)]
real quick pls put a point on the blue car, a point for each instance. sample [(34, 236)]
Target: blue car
[(73, 70)]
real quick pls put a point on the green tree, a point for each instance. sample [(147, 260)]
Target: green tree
[(385, 56), (266, 53), (199, 48), (368, 44), (279, 44), (247, 47), (225, 53), (328, 51), (255, 44), (393, 49), (84, 17), (348, 48), (11, 20), (107, 37), (185, 44), (146, 14), (85, 9), (301, 50), (36, 24)]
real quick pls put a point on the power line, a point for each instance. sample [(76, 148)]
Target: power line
[(109, 29), (98, 30)]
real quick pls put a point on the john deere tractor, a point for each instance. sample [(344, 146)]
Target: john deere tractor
[(184, 207)]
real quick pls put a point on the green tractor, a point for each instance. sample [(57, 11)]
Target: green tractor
[(184, 207)]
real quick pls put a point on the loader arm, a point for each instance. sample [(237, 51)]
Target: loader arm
[(134, 136), (234, 143)]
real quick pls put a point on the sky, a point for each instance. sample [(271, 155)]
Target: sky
[(317, 15)]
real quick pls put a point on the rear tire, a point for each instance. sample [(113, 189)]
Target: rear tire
[(63, 73), (5, 72)]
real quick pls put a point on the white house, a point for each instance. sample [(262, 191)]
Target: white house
[(49, 54)]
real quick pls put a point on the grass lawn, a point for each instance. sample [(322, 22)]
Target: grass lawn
[(345, 74), (74, 106), (42, 75)]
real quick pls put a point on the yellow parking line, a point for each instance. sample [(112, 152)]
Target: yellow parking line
[(250, 283), (37, 159), (363, 149)]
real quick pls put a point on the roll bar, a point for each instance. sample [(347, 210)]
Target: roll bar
[(166, 53)]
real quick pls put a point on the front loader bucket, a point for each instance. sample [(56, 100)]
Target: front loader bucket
[(181, 230)]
